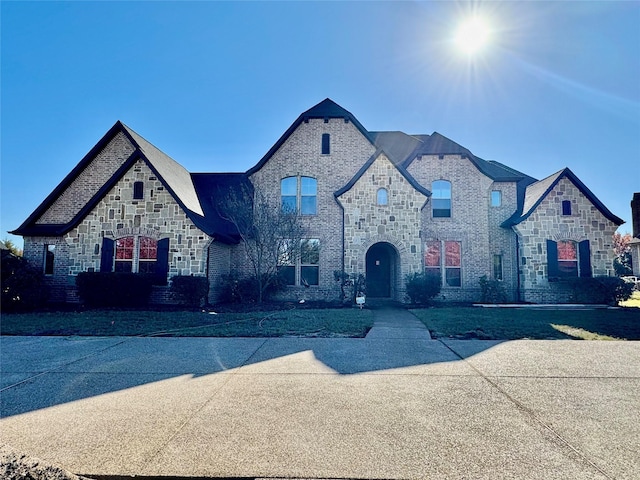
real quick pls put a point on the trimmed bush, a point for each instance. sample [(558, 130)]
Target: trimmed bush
[(599, 290), (23, 286), (235, 289), (114, 289), (421, 288), (189, 290), (492, 291)]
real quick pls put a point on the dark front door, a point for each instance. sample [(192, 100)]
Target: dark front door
[(379, 270)]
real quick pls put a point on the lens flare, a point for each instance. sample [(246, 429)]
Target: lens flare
[(472, 35)]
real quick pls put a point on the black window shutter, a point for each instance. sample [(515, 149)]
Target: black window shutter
[(552, 260), (162, 260), (106, 257), (584, 255)]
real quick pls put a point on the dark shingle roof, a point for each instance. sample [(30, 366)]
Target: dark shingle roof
[(325, 109), (412, 181), (214, 190), (535, 193), (397, 145)]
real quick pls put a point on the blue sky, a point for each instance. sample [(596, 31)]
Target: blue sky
[(215, 84)]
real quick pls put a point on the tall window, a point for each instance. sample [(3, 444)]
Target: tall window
[(497, 267), (138, 190), (566, 259), (566, 207), (382, 197), (49, 256), (441, 198), (301, 266), (496, 198), (326, 144), (299, 194), (136, 254), (444, 260)]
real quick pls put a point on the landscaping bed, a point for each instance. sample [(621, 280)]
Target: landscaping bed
[(519, 323)]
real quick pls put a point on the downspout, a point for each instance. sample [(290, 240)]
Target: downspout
[(518, 297)]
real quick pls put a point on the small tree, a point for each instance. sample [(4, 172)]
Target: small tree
[(622, 260), (23, 286), (271, 236)]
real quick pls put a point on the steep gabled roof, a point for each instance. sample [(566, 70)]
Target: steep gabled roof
[(412, 181), (175, 178), (174, 175), (325, 109), (536, 192), (396, 145)]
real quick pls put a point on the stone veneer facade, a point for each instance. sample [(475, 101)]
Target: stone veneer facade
[(546, 222), (398, 223), (346, 225)]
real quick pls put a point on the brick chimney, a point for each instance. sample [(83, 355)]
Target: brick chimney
[(635, 214)]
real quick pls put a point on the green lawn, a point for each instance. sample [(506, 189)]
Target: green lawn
[(281, 323), (515, 323)]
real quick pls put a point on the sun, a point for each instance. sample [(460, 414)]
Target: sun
[(472, 36)]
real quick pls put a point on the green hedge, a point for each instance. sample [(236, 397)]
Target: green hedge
[(23, 286), (188, 290), (599, 290), (114, 289)]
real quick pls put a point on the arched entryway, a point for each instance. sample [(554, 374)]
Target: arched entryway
[(381, 264)]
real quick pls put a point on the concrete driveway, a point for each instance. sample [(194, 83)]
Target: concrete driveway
[(379, 407)]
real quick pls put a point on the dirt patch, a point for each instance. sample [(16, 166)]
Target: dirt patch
[(17, 466)]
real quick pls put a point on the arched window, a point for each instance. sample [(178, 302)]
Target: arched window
[(299, 194), (441, 198), (383, 197)]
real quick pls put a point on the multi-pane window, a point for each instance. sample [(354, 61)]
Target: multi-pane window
[(49, 256), (300, 266), (497, 267), (382, 197), (444, 260), (136, 254), (496, 198), (299, 194), (441, 198)]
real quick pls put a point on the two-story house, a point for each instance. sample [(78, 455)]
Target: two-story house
[(384, 204)]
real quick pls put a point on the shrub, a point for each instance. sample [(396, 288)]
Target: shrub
[(607, 290), (421, 288), (236, 289), (23, 286), (189, 290), (114, 289), (350, 285), (492, 291)]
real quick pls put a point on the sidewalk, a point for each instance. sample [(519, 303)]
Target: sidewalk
[(379, 408), (396, 323)]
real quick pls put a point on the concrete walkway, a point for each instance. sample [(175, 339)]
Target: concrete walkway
[(380, 407), (396, 323)]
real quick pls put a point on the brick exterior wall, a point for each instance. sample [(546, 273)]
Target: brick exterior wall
[(547, 223), (397, 223), (90, 180), (300, 155), (473, 222)]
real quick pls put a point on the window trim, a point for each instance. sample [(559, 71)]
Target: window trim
[(442, 268), (380, 203), (138, 190), (325, 148), (436, 188), (499, 198), (566, 208), (297, 265), (135, 254), (49, 260), (299, 195)]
